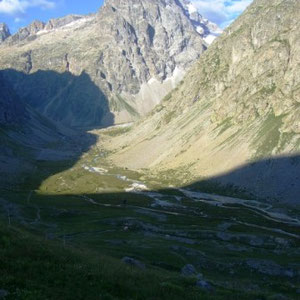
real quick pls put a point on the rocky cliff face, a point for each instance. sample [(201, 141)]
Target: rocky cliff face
[(238, 105), (134, 54), (4, 32), (29, 33), (60, 22), (26, 32)]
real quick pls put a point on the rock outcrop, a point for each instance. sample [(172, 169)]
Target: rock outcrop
[(133, 262), (4, 32), (29, 32)]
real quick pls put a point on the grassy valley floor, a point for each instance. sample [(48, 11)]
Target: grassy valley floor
[(66, 230)]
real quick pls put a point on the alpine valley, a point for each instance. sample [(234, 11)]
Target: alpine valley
[(147, 154)]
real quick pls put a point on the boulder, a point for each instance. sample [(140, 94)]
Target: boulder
[(204, 285), (133, 262), (3, 294), (189, 270)]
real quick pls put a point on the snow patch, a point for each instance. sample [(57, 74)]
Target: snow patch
[(152, 92), (209, 38), (95, 170), (122, 177), (72, 25), (76, 23), (200, 30), (41, 32), (137, 187), (191, 8), (152, 80)]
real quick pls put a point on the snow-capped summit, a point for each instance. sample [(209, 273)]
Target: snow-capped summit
[(208, 30)]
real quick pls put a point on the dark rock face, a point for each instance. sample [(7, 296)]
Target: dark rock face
[(12, 110), (4, 32)]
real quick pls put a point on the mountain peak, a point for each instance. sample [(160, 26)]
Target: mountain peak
[(27, 31), (4, 32), (60, 22), (206, 29), (35, 27)]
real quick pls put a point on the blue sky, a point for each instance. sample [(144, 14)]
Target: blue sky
[(19, 13), (222, 12)]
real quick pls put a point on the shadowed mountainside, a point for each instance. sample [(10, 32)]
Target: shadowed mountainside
[(27, 136), (271, 178), (72, 100)]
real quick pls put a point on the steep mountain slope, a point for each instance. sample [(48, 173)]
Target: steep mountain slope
[(12, 110), (134, 54), (239, 104), (25, 137)]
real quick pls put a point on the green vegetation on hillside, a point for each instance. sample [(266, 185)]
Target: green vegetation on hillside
[(268, 137), (35, 269)]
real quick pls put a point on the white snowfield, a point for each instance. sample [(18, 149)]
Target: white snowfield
[(95, 170), (210, 38), (192, 9), (137, 187), (69, 26)]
